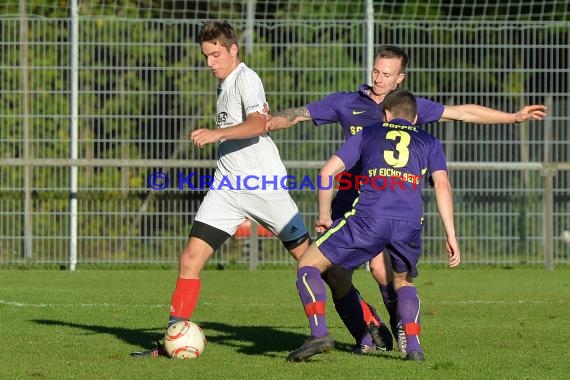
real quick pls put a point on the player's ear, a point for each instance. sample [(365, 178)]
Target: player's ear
[(415, 120), (234, 50), (400, 78)]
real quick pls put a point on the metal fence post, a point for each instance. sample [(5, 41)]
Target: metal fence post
[(369, 11), (73, 135), (549, 174), (549, 218), (28, 170)]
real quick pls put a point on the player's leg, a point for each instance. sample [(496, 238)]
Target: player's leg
[(405, 251), (358, 316), (280, 214), (216, 220), (217, 209), (350, 244), (381, 270), (409, 311), (204, 240), (355, 313), (313, 296), (201, 245)]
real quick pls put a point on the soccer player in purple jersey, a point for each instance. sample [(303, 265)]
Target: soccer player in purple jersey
[(355, 110), (395, 157)]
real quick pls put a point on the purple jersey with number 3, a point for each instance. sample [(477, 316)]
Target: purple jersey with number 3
[(354, 111), (395, 157)]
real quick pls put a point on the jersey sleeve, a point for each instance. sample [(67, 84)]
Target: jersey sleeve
[(349, 151), (428, 111), (252, 92), (436, 157), (325, 111)]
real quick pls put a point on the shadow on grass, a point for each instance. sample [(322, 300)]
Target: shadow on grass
[(136, 337), (248, 340), (253, 340)]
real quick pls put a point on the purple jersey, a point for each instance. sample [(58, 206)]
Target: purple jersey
[(354, 111), (394, 156)]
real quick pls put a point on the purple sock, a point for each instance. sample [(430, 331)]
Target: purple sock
[(409, 310), (350, 312), (314, 297), (390, 299)]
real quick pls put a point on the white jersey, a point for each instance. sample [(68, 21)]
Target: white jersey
[(229, 201), (241, 94)]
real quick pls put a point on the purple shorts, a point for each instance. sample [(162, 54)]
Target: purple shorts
[(351, 242)]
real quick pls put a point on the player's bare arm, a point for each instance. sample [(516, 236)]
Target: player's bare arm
[(253, 126), (288, 118), (444, 202), (474, 113), (325, 192)]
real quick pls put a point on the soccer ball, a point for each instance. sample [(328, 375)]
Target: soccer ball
[(184, 340)]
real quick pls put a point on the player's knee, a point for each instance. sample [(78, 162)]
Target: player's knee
[(379, 271), (292, 245), (189, 264), (400, 280)]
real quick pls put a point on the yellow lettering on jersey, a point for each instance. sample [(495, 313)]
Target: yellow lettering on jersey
[(398, 126), (391, 172), (354, 129)]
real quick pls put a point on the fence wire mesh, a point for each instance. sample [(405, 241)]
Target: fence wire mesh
[(143, 87)]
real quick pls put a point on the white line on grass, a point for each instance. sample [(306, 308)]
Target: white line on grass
[(95, 305), (108, 305), (474, 302)]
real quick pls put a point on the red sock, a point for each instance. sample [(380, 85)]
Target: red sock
[(368, 314), (185, 298)]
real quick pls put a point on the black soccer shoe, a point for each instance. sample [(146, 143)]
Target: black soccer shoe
[(381, 336), (363, 349), (311, 347), (154, 352), (417, 356)]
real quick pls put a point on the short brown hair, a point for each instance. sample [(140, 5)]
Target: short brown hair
[(218, 32), (393, 51), (401, 103)]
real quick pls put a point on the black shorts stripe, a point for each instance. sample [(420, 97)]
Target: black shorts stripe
[(292, 244), (211, 235)]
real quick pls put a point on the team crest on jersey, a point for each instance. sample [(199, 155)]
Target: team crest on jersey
[(221, 119)]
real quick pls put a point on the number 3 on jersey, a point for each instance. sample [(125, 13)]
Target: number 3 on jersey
[(401, 148)]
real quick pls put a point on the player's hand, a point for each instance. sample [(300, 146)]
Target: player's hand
[(533, 112), (322, 223), (453, 253), (203, 136)]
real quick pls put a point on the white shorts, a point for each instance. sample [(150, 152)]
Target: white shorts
[(274, 210)]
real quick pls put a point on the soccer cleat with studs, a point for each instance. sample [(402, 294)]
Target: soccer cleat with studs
[(363, 349), (154, 352), (379, 332), (417, 356), (311, 347), (381, 336)]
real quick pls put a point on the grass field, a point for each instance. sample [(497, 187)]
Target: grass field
[(478, 323)]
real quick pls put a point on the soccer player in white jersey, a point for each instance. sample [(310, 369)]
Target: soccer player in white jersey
[(244, 150)]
